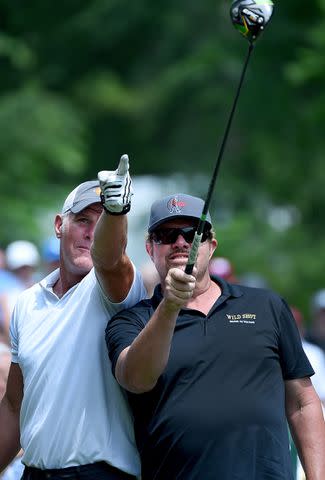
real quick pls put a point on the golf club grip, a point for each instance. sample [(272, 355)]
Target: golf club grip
[(193, 253)]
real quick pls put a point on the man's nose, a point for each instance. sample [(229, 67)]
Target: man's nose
[(90, 232), (180, 240)]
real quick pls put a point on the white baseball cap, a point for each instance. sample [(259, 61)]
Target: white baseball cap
[(22, 253)]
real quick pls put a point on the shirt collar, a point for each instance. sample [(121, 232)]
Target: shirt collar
[(227, 290), (50, 280)]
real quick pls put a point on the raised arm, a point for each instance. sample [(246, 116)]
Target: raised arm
[(140, 365), (9, 417), (113, 267), (306, 421)]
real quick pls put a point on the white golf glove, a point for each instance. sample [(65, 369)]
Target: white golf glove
[(116, 188)]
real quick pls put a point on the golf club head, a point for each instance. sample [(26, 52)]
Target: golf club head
[(250, 17)]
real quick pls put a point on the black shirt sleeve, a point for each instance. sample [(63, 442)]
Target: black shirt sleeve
[(294, 362), (122, 329)]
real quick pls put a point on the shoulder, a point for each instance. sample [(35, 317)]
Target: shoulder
[(266, 304), (136, 292), (28, 294), (263, 296), (141, 310), (259, 292), (140, 307)]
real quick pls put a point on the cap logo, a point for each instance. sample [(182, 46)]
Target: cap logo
[(175, 206), (97, 191)]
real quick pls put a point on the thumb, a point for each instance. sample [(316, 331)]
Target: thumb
[(123, 166)]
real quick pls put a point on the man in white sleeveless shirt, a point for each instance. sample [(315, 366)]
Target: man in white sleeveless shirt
[(62, 404)]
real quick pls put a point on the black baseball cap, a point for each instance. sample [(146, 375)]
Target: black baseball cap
[(82, 196), (178, 205)]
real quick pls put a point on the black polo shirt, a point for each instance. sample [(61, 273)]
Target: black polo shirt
[(218, 410)]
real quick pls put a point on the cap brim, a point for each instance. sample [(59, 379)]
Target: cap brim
[(78, 207)]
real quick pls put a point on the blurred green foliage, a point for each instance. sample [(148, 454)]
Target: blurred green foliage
[(83, 82)]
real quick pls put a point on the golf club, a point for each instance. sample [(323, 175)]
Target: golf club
[(250, 18)]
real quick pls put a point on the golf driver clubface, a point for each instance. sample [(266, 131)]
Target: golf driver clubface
[(250, 19)]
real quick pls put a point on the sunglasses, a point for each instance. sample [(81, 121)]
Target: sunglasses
[(166, 236)]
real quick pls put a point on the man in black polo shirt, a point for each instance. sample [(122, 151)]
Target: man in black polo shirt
[(213, 371)]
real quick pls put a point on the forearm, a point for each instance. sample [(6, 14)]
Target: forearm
[(9, 434), (110, 239), (113, 267), (110, 236), (140, 366), (308, 431)]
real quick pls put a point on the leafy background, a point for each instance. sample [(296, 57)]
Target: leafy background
[(83, 82)]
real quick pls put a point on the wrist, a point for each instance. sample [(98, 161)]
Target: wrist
[(170, 307), (124, 210)]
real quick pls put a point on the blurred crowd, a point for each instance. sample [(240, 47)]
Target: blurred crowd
[(22, 264)]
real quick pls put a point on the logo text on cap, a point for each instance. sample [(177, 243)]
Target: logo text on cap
[(174, 205)]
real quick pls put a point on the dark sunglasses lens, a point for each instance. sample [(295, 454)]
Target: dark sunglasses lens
[(188, 234), (170, 235), (167, 236)]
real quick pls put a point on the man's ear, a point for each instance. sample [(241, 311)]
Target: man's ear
[(213, 246), (149, 249), (58, 225)]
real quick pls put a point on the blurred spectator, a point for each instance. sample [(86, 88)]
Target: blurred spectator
[(22, 260), (222, 267), (316, 332), (15, 469), (7, 279), (2, 259), (315, 355), (5, 359), (253, 279), (4, 339), (50, 255), (4, 319)]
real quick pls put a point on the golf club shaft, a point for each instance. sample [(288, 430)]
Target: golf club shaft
[(198, 234)]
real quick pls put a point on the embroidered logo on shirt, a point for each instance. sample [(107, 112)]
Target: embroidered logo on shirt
[(243, 318)]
